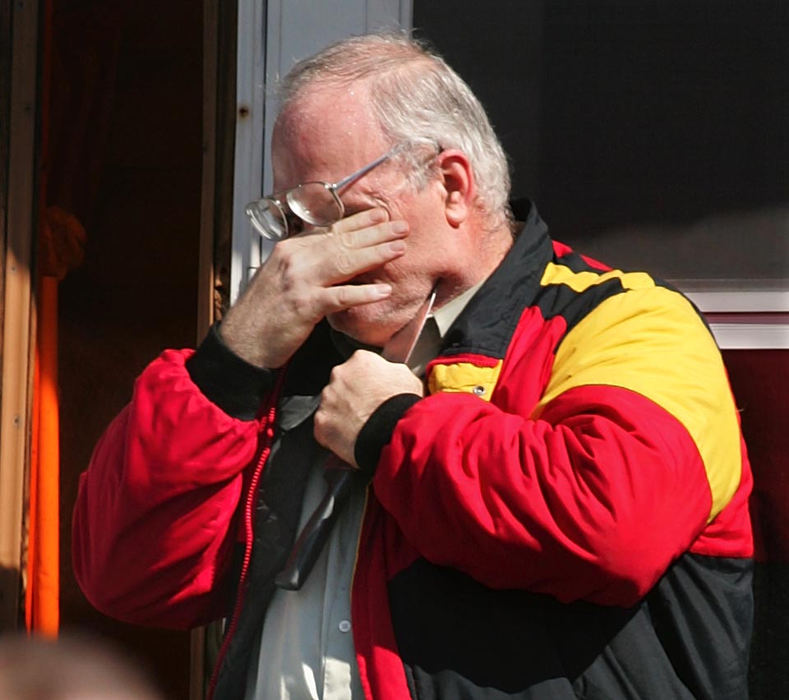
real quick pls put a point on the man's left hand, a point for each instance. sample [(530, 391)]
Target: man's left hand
[(356, 388)]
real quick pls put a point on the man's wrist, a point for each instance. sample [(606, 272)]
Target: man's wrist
[(377, 430), (226, 379), (245, 345)]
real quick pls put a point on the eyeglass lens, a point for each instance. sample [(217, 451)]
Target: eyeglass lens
[(268, 219), (311, 202), (314, 203)]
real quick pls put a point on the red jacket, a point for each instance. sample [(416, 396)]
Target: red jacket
[(576, 473)]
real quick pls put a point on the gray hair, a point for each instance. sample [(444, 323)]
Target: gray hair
[(417, 99)]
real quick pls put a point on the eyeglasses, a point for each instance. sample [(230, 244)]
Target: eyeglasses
[(316, 203)]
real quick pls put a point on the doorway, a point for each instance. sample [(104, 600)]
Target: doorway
[(123, 135)]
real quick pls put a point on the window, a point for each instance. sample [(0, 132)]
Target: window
[(651, 135)]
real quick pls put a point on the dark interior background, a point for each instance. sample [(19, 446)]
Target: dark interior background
[(124, 126), (647, 132)]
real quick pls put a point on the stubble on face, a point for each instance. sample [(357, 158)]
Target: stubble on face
[(374, 324)]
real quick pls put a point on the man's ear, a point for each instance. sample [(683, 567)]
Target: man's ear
[(459, 186)]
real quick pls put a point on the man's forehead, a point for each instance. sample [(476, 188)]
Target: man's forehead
[(327, 113), (323, 134)]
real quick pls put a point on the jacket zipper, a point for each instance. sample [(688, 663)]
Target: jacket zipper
[(249, 535)]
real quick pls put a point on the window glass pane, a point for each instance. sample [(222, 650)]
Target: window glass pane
[(650, 134)]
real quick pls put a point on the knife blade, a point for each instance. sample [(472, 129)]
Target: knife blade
[(339, 475)]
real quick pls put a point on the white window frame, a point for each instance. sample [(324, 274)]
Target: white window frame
[(743, 318)]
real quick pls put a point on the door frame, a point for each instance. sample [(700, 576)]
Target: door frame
[(17, 233)]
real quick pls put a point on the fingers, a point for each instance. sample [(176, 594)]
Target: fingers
[(304, 279), (361, 220), (345, 263), (355, 245), (356, 389), (358, 244), (345, 296), (366, 228)]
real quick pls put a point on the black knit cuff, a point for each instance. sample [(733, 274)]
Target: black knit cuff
[(227, 380), (378, 429)]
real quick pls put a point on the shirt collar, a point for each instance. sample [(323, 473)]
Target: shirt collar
[(436, 326), (446, 315)]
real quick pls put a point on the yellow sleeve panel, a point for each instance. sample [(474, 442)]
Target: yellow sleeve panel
[(650, 340), (580, 281), (464, 377)]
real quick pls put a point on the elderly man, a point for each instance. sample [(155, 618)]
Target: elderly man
[(553, 503)]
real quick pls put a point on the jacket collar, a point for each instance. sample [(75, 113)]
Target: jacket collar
[(487, 323)]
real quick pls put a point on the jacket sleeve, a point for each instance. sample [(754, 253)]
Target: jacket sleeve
[(633, 448), (155, 519)]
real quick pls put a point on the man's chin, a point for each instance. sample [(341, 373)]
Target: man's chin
[(364, 326)]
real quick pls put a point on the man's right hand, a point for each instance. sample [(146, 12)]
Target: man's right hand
[(302, 281)]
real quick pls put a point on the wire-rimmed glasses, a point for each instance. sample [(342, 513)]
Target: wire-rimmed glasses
[(316, 203)]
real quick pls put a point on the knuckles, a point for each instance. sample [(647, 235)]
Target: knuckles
[(321, 421), (344, 263)]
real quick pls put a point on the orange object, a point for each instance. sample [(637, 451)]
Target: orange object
[(42, 613), (42, 593), (60, 247)]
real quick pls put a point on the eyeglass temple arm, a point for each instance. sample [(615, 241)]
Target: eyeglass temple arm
[(363, 171)]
